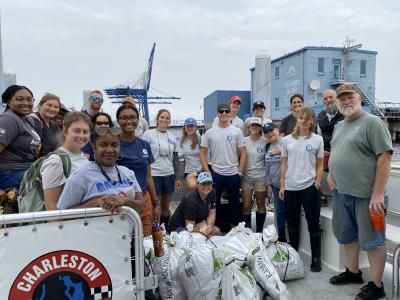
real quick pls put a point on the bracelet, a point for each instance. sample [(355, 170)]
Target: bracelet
[(155, 203)]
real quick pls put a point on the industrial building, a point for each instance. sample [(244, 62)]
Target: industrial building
[(212, 101)]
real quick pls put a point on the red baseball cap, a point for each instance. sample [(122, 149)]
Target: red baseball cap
[(235, 98)]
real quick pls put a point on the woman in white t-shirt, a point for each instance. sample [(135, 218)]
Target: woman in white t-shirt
[(253, 179), (165, 166), (75, 134), (190, 144), (301, 175)]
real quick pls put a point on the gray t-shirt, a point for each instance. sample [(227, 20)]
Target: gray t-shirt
[(191, 156), (21, 139), (163, 145), (88, 183), (302, 157), (246, 130), (355, 146), (142, 127), (255, 162), (223, 145), (273, 165), (236, 122)]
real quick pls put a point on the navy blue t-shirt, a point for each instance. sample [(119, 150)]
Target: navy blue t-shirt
[(88, 149), (136, 156)]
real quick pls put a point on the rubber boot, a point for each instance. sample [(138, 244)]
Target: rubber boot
[(260, 220), (315, 242), (247, 220), (165, 220), (294, 238)]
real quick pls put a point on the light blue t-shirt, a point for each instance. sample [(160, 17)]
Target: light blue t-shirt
[(88, 183)]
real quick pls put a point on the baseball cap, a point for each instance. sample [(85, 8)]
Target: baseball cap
[(346, 88), (63, 108), (128, 100), (269, 126), (235, 98), (258, 104), (255, 120), (190, 121), (204, 177), (223, 106)]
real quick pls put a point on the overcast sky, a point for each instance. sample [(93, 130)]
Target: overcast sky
[(67, 46)]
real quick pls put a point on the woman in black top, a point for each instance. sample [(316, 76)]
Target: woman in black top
[(289, 122)]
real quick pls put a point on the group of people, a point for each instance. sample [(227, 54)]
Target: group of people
[(92, 161)]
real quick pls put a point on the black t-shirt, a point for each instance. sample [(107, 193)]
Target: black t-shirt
[(287, 125), (192, 208), (49, 136)]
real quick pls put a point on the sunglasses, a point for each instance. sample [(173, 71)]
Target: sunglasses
[(99, 123), (96, 99), (221, 111), (102, 131)]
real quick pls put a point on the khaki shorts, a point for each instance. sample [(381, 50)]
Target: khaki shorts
[(259, 184)]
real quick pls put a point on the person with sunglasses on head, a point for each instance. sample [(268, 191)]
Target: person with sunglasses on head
[(75, 133), (166, 162), (142, 126), (288, 123), (136, 155), (197, 209), (190, 144), (253, 179), (234, 105), (20, 140), (101, 183), (224, 142), (100, 119), (258, 112), (95, 101), (48, 109), (273, 174)]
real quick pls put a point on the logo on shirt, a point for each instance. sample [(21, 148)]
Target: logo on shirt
[(229, 138), (2, 131), (109, 185), (145, 153), (64, 274), (308, 148), (259, 149)]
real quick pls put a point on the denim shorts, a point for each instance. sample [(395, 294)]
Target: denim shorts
[(164, 184), (11, 178), (351, 223)]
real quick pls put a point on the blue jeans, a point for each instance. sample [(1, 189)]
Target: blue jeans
[(11, 178), (280, 212), (232, 185)]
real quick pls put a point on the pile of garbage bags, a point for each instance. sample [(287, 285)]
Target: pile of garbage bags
[(240, 265)]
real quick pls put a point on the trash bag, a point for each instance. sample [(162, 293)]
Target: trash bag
[(166, 269), (237, 283), (266, 275), (269, 235), (286, 261), (187, 240), (200, 272)]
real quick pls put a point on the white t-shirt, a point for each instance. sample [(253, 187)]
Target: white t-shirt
[(191, 156), (223, 145), (163, 145), (142, 127), (236, 122), (255, 162), (52, 169), (302, 157)]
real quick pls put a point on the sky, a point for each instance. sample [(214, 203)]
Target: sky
[(67, 46)]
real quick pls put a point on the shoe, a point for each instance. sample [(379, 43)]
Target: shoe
[(316, 264), (315, 241), (370, 292), (347, 277)]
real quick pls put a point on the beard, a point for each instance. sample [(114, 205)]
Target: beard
[(331, 108), (350, 111)]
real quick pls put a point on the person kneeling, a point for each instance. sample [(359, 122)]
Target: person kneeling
[(197, 209)]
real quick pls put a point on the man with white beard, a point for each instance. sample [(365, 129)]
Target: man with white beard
[(328, 118), (359, 167)]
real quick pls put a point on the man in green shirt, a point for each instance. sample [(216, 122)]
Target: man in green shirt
[(359, 167)]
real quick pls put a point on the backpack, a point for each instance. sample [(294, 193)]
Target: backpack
[(31, 195)]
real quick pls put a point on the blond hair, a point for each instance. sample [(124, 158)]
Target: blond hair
[(308, 114), (195, 139)]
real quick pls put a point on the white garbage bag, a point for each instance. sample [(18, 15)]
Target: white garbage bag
[(269, 235), (286, 261), (166, 269), (188, 240), (265, 274), (238, 284), (200, 272)]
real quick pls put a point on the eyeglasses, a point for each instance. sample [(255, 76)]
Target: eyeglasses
[(207, 183), (128, 118), (221, 111), (96, 99), (27, 99), (102, 131), (99, 123)]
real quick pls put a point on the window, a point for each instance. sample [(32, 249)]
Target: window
[(277, 72), (363, 68), (276, 103), (321, 62)]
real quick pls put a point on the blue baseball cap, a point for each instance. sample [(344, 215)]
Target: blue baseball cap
[(190, 121), (269, 126), (204, 177)]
